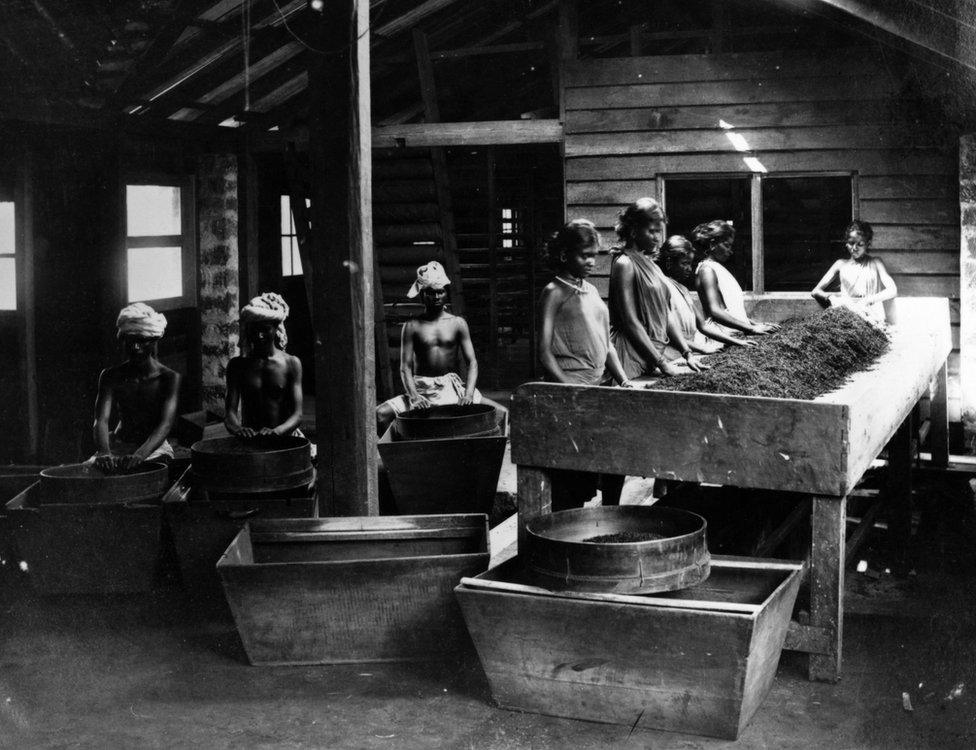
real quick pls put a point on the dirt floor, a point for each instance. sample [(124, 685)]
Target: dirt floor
[(146, 671)]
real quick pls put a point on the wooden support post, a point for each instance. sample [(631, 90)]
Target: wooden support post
[(967, 286), (827, 556), (719, 27), (534, 496), (26, 259), (756, 208), (381, 341), (939, 419), (636, 42), (342, 260), (567, 44), (899, 490), (247, 238), (567, 51), (428, 91), (493, 242), (297, 193)]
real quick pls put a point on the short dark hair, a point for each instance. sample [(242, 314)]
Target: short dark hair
[(705, 236), (862, 228), (572, 236), (640, 213)]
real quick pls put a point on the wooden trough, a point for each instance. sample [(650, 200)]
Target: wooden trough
[(203, 525), (821, 447), (699, 660), (355, 589), (86, 548), (445, 475)]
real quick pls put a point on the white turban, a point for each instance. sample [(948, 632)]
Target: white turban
[(431, 276), (139, 319), (268, 308)]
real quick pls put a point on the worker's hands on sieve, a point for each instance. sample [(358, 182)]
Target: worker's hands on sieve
[(420, 402)]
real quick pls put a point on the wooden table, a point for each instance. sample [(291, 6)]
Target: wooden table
[(820, 447)]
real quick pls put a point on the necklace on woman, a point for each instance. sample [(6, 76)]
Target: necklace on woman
[(576, 284)]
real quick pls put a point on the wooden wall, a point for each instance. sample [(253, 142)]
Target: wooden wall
[(630, 120)]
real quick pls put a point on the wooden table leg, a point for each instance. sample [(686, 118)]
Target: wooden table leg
[(534, 496), (899, 492), (828, 520), (939, 419)]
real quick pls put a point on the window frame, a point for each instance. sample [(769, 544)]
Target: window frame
[(188, 238), (11, 196), (756, 205), (293, 239)]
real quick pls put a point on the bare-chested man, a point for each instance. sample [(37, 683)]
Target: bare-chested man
[(264, 386), (432, 348), (143, 393)]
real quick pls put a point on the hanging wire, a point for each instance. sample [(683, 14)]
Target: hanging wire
[(380, 6)]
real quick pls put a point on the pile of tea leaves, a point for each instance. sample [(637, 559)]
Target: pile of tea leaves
[(805, 358)]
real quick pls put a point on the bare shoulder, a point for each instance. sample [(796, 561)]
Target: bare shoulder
[(622, 264), (293, 363), (110, 376), (458, 323), (168, 375), (235, 365), (552, 293)]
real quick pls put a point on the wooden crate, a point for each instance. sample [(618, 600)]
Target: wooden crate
[(448, 475), (821, 446), (699, 660), (354, 589), (86, 548), (203, 525)]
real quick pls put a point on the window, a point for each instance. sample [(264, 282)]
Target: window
[(691, 202), (510, 227), (8, 258), (803, 222), (291, 259), (790, 226), (159, 259)]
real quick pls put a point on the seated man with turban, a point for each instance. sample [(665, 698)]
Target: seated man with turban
[(264, 385), (432, 349), (143, 393)]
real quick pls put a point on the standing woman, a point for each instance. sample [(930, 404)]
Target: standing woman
[(640, 298), (721, 296), (864, 281), (574, 345)]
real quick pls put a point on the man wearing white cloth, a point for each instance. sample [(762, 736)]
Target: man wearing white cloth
[(264, 385), (142, 392), (432, 349)]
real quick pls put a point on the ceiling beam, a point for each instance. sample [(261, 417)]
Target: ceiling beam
[(411, 18), (935, 32), (488, 133), (183, 15)]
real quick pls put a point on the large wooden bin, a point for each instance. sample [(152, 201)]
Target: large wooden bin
[(354, 589), (203, 524), (86, 548), (444, 475), (699, 660)]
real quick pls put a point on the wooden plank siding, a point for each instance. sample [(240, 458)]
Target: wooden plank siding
[(629, 121)]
